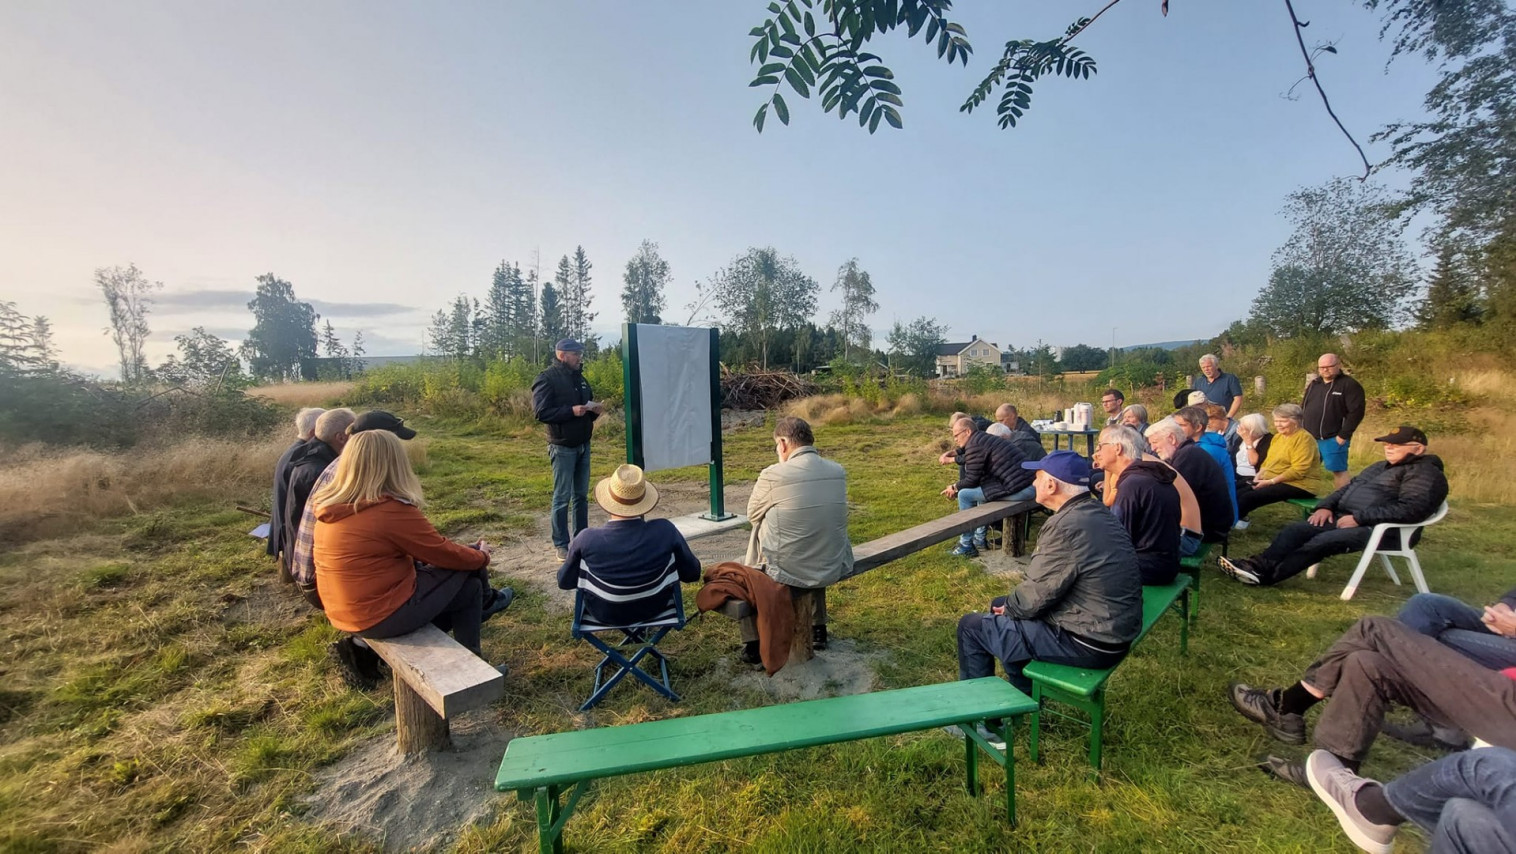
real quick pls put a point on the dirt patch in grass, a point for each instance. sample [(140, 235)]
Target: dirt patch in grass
[(407, 803), (840, 669)]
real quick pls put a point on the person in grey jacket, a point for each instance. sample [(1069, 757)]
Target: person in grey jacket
[(1081, 602), (798, 513)]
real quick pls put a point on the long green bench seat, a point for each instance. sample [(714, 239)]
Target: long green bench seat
[(1084, 688), (542, 767), (1307, 505), (1191, 566)]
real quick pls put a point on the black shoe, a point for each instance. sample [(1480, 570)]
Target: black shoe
[(818, 637), (1240, 568), (1288, 770), (1427, 735), (358, 666), (750, 653), (503, 598), (1262, 707)]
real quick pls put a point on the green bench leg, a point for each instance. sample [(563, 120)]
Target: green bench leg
[(971, 762), (1033, 744), (1185, 616), (551, 816), (973, 743), (1097, 729)]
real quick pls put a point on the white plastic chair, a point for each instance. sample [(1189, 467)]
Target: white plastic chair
[(1407, 530)]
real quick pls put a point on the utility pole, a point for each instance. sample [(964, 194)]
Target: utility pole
[(537, 299)]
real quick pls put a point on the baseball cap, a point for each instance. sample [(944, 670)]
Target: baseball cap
[(569, 345), (1066, 466), (1405, 434), (378, 419)]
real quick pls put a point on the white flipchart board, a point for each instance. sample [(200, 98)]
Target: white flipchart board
[(674, 392)]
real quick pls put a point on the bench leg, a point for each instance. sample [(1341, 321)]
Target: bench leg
[(1097, 730), (1186, 616), (551, 816), (1032, 742), (418, 726), (1010, 778), (801, 649), (971, 761)]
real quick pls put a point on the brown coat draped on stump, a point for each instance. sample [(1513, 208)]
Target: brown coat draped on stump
[(775, 613)]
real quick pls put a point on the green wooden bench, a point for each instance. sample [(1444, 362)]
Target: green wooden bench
[(1085, 689), (542, 767), (1307, 505), (1191, 566)]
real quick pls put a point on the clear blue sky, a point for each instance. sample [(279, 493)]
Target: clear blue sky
[(385, 157)]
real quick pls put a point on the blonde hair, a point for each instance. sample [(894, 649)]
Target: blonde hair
[(372, 466)]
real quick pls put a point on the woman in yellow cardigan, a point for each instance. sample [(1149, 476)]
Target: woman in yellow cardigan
[(1293, 461)]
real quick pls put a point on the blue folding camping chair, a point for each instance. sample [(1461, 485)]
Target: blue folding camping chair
[(640, 639)]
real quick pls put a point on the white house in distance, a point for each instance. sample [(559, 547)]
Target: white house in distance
[(953, 360)]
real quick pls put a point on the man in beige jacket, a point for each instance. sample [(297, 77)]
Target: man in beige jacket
[(798, 511)]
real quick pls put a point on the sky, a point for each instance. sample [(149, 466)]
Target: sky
[(384, 157)]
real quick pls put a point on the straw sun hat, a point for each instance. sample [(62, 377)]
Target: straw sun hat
[(626, 492)]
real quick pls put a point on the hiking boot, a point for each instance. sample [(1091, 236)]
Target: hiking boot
[(503, 598), (358, 666), (1240, 569), (563, 552), (1425, 734), (986, 733), (1288, 770), (1262, 707), (818, 637), (1337, 787), (750, 654), (964, 550)]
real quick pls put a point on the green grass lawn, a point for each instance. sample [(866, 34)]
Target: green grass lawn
[(160, 691)]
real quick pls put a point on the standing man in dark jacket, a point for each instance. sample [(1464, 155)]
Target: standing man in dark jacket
[(1142, 495), (991, 471), (1407, 487), (1333, 404), (1081, 602), (562, 399)]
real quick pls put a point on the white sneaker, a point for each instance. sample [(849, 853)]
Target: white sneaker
[(1242, 525), (1337, 786), (994, 739)]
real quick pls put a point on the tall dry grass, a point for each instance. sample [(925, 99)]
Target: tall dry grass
[(45, 491), (304, 394)]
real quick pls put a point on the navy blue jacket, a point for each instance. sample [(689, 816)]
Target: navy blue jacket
[(1147, 505)]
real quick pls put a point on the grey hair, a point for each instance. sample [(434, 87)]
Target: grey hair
[(1256, 425), (1138, 410), (1167, 427), (333, 423), (955, 416), (1291, 411), (1124, 437), (1210, 357), (1069, 489), (305, 422), (998, 429)]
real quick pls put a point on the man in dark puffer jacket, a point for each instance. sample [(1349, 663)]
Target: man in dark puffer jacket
[(1407, 487), (991, 471)]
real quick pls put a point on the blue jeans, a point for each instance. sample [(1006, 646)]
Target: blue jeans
[(571, 481), (984, 639), (1456, 625), (971, 497), (1189, 542), (1467, 801)]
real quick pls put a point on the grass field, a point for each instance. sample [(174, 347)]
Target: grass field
[(161, 692)]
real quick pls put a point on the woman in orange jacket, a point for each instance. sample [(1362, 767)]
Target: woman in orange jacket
[(382, 569)]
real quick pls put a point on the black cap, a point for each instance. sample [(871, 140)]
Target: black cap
[(568, 345), (1405, 434), (378, 419)]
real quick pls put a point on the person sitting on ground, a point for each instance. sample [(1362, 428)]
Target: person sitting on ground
[(991, 472), (623, 566), (383, 570), (1142, 495), (1081, 601), (306, 466), (1111, 401), (798, 514), (1464, 801), (1292, 465), (1205, 478), (305, 428), (1406, 487), (1377, 662), (1253, 450)]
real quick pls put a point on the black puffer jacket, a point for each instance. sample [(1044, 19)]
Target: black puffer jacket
[(306, 465), (1408, 492), (994, 465)]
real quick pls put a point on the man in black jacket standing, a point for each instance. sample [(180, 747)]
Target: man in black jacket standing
[(1334, 405), (991, 471), (1407, 487), (562, 399)]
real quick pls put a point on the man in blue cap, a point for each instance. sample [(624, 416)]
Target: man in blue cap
[(562, 399), (1081, 601)]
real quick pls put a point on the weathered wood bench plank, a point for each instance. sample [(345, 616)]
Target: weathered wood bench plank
[(876, 553), (435, 679)]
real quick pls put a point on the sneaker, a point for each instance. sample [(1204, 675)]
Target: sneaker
[(818, 637), (1288, 770), (1242, 525), (1240, 569), (985, 732), (1262, 707), (503, 599), (1423, 733), (563, 553), (358, 666), (982, 545), (962, 550), (1337, 786), (750, 654)]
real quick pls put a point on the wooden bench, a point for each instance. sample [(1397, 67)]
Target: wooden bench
[(876, 553), (543, 767), (435, 679), (1085, 688)]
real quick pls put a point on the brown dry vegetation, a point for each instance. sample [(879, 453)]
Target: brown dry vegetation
[(304, 394)]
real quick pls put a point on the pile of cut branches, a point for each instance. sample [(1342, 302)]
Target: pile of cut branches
[(759, 389)]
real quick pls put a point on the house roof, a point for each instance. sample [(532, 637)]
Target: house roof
[(955, 349)]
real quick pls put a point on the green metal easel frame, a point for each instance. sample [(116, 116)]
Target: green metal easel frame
[(631, 374)]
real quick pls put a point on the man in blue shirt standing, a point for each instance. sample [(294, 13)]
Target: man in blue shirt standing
[(1220, 388)]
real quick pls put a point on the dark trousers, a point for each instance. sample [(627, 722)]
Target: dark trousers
[(984, 639), (1456, 625), (1251, 499), (449, 599), (1301, 544), (1380, 661), (1467, 801)]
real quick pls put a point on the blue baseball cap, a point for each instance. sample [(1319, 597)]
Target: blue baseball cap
[(1066, 466), (569, 345)]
